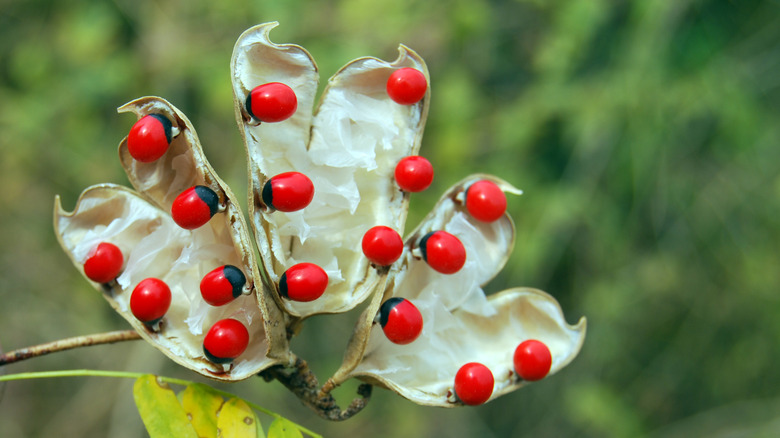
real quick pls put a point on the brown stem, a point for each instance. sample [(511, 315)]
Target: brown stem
[(302, 382), (68, 344)]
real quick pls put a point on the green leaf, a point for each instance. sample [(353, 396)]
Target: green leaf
[(237, 420), (283, 428), (201, 404), (160, 410)]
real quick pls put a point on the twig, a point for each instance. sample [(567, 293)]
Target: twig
[(68, 344), (302, 382)]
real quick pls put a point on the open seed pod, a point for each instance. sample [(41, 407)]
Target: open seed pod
[(460, 324), (170, 232), (348, 148)]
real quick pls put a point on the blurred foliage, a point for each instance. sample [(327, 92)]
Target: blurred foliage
[(644, 134)]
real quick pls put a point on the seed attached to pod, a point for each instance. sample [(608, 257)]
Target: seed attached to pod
[(288, 192), (532, 360), (104, 263), (303, 282), (194, 207), (271, 102), (414, 174), (401, 320), (474, 383), (226, 340), (407, 86), (149, 138), (443, 252), (150, 300), (382, 245), (222, 285), (485, 201)]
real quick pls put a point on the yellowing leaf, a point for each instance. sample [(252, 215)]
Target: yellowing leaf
[(160, 410), (283, 428), (237, 420), (201, 405)]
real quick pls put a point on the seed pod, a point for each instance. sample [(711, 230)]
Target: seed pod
[(462, 324), (157, 247), (323, 145)]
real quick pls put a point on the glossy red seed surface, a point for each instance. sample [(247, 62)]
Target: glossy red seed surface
[(532, 360), (382, 245), (216, 287), (400, 320), (191, 209), (414, 174), (303, 282), (150, 299), (104, 263), (474, 383), (485, 201), (443, 252), (407, 86), (226, 340), (288, 192), (272, 102), (148, 138)]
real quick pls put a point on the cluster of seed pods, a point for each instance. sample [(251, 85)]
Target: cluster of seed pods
[(329, 193)]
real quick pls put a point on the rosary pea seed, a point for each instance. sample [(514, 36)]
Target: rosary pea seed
[(382, 245), (414, 174), (226, 340), (532, 360), (485, 201), (271, 102), (303, 282), (443, 252), (150, 300), (474, 383), (400, 320), (104, 263), (288, 192), (149, 138), (407, 86), (194, 207), (222, 285)]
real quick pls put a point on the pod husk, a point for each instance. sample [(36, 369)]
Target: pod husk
[(461, 325), (348, 148), (154, 246)]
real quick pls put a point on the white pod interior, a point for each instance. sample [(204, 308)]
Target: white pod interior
[(460, 324), (348, 148), (153, 245)]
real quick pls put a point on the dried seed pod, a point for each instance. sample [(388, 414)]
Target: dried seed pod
[(462, 325), (157, 247), (348, 147)]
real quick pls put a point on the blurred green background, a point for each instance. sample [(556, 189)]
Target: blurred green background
[(644, 134)]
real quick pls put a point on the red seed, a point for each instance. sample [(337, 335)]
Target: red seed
[(226, 340), (382, 245), (271, 102), (474, 383), (443, 252), (288, 192), (532, 360), (400, 320), (194, 207), (104, 263), (407, 86), (303, 282), (222, 285), (149, 138), (485, 201), (414, 174), (150, 300)]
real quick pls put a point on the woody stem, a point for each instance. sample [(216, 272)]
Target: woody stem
[(68, 344)]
